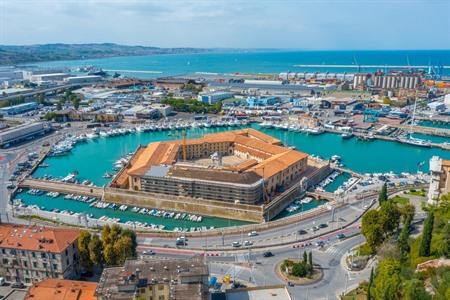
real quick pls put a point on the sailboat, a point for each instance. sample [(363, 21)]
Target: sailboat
[(409, 139)]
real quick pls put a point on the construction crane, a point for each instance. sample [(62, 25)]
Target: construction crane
[(183, 136)]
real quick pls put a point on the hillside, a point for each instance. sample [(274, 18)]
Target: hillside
[(11, 55)]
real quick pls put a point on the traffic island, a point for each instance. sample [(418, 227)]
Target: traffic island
[(297, 272)]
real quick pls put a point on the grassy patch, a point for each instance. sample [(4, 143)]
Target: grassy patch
[(360, 293), (420, 193), (364, 250), (400, 200)]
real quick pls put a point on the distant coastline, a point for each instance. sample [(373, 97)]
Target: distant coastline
[(14, 55)]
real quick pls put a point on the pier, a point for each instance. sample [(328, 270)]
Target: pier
[(423, 129), (61, 187)]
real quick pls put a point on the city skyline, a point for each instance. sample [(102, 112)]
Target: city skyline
[(305, 25)]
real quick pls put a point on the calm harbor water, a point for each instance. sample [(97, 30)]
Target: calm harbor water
[(257, 61), (435, 124), (93, 158)]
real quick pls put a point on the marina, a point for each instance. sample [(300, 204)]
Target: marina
[(116, 148)]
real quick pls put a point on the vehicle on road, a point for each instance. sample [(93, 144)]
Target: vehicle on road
[(320, 243), (236, 244), (267, 254), (17, 285), (340, 236), (180, 242), (248, 243), (314, 228), (323, 225), (302, 231), (148, 252), (252, 233)]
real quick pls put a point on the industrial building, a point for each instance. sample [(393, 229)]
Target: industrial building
[(83, 79), (242, 166), (22, 133), (18, 109), (181, 279), (211, 98), (386, 81), (32, 253)]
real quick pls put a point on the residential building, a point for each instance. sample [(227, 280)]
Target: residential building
[(275, 292), (62, 289), (440, 179), (32, 253), (180, 279)]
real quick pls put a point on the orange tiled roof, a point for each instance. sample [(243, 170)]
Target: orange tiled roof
[(249, 140), (36, 238), (446, 163), (60, 289)]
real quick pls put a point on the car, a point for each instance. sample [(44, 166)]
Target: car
[(236, 244), (248, 243), (267, 254), (17, 285), (180, 242), (314, 228), (320, 243), (302, 231), (10, 186), (290, 283), (341, 236), (2, 281), (323, 225), (148, 252), (252, 233)]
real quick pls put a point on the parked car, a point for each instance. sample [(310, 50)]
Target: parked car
[(17, 285), (2, 281)]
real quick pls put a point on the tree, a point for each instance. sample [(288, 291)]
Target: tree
[(83, 250), (444, 246), (132, 235), (305, 257), (372, 229), (106, 230), (403, 239), (413, 289), (390, 216), (299, 270), (407, 211), (387, 281), (383, 196), (109, 255), (369, 286), (310, 261), (96, 250), (59, 105), (123, 249), (425, 243)]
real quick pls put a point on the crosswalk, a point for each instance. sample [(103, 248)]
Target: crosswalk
[(335, 251)]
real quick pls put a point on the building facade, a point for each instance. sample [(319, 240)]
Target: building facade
[(181, 279), (22, 133), (261, 168), (32, 253), (440, 179)]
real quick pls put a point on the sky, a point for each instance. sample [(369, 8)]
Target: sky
[(287, 24)]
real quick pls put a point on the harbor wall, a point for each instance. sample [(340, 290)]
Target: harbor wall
[(221, 209)]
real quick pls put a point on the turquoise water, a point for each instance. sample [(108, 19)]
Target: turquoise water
[(257, 61), (93, 158), (49, 203), (432, 138), (435, 124), (304, 207), (337, 182), (362, 156)]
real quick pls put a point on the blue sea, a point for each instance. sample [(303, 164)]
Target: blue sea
[(257, 62)]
